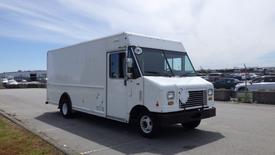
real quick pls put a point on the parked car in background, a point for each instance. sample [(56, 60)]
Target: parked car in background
[(251, 76), (265, 83), (212, 77), (4, 80), (12, 82), (226, 83), (236, 76)]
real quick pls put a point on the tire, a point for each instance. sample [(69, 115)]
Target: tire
[(66, 108), (191, 125), (147, 125)]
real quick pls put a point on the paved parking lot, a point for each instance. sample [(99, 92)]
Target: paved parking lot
[(237, 129)]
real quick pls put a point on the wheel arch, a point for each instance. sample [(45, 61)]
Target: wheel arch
[(135, 111)]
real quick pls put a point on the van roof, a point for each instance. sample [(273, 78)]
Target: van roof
[(138, 40)]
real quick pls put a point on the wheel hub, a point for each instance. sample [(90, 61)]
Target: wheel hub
[(146, 124), (65, 108)]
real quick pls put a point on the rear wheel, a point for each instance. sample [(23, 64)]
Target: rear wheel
[(66, 108), (147, 124), (191, 125)]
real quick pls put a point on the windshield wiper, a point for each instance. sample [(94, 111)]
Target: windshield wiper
[(170, 75), (158, 73), (187, 74), (153, 72)]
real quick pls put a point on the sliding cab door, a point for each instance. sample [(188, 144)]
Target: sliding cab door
[(116, 89)]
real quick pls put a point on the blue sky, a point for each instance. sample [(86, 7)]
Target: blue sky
[(216, 33), (18, 54)]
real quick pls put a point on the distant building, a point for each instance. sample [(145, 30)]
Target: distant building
[(36, 75)]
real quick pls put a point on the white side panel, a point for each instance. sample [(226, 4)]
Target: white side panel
[(153, 95), (80, 71), (77, 65), (135, 93), (87, 99)]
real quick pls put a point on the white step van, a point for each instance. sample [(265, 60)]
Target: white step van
[(129, 78)]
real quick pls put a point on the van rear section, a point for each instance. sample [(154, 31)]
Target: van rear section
[(130, 78)]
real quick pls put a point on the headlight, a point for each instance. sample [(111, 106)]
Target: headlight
[(210, 92), (170, 95)]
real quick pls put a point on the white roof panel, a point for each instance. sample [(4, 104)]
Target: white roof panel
[(153, 42)]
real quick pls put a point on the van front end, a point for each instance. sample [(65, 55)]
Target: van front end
[(179, 99), (172, 93)]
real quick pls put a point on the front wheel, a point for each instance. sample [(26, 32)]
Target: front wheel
[(148, 125), (66, 109), (191, 125)]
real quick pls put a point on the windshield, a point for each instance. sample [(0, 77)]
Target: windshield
[(155, 62)]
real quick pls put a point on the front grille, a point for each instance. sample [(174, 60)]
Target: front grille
[(196, 98)]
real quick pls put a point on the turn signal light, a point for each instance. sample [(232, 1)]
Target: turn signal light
[(171, 103)]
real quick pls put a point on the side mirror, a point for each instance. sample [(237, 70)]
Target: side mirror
[(129, 75), (129, 65), (129, 62)]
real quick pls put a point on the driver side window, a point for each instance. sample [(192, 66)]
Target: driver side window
[(116, 65)]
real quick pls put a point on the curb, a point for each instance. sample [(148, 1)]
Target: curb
[(47, 139)]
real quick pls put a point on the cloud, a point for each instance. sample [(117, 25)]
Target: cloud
[(216, 33), (42, 21)]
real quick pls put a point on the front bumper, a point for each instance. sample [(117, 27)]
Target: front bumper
[(185, 116)]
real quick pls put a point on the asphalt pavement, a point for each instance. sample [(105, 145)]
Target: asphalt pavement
[(241, 129)]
